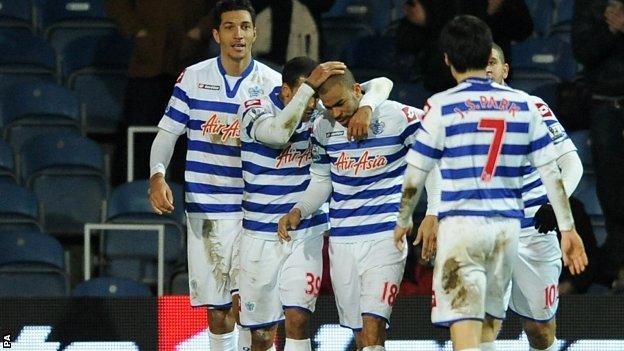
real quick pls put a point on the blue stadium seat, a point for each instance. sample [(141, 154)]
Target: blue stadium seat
[(95, 69), (134, 254), (66, 172), (7, 162), (32, 264), (338, 33), (551, 54), (16, 14), (581, 140), (19, 208), (24, 57), (65, 20), (413, 94), (111, 287), (564, 10), (586, 193), (32, 109), (542, 13)]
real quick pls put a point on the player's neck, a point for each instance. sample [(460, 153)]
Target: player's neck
[(460, 77), (235, 68)]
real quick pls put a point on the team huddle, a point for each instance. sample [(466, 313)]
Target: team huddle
[(276, 161)]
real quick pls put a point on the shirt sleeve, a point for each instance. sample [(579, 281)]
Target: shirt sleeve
[(376, 91), (176, 117), (412, 118), (557, 133), (277, 129), (251, 113), (429, 144), (541, 148)]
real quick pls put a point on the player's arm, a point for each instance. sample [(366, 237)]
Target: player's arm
[(160, 194), (428, 229), (172, 125), (277, 131), (316, 194), (568, 162), (421, 158), (542, 157), (376, 91)]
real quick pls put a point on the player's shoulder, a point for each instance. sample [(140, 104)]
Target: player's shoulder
[(202, 66), (323, 126), (270, 76), (399, 113)]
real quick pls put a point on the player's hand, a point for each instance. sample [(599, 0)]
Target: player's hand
[(614, 16), (289, 221), (160, 195), (573, 252), (359, 123), (399, 236), (545, 220), (427, 233), (323, 71)]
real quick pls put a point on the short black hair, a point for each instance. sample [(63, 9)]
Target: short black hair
[(499, 51), (467, 41), (232, 5), (296, 68), (345, 80)]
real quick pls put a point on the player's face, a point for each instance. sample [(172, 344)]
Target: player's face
[(497, 70), (235, 35), (342, 102), (288, 93)]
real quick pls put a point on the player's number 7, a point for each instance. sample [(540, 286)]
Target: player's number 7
[(499, 127)]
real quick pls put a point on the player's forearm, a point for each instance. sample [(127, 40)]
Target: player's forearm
[(571, 171), (319, 189), (551, 178), (413, 184), (278, 130), (162, 150), (434, 192), (376, 90)]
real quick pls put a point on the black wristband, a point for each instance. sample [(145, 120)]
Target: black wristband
[(311, 86)]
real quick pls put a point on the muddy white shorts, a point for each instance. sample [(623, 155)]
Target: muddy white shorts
[(275, 276), (213, 246), (366, 276), (473, 265), (533, 293)]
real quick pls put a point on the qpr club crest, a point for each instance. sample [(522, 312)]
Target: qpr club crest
[(255, 91), (377, 127)]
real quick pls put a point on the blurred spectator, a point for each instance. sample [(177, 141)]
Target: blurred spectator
[(598, 43), (168, 36), (417, 33), (289, 28)]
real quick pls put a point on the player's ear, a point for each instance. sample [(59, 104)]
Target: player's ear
[(286, 91), (215, 35), (357, 90), (446, 60), (505, 71)]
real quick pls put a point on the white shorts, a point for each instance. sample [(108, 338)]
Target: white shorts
[(213, 261), (534, 293), (366, 277), (276, 276), (473, 265)]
